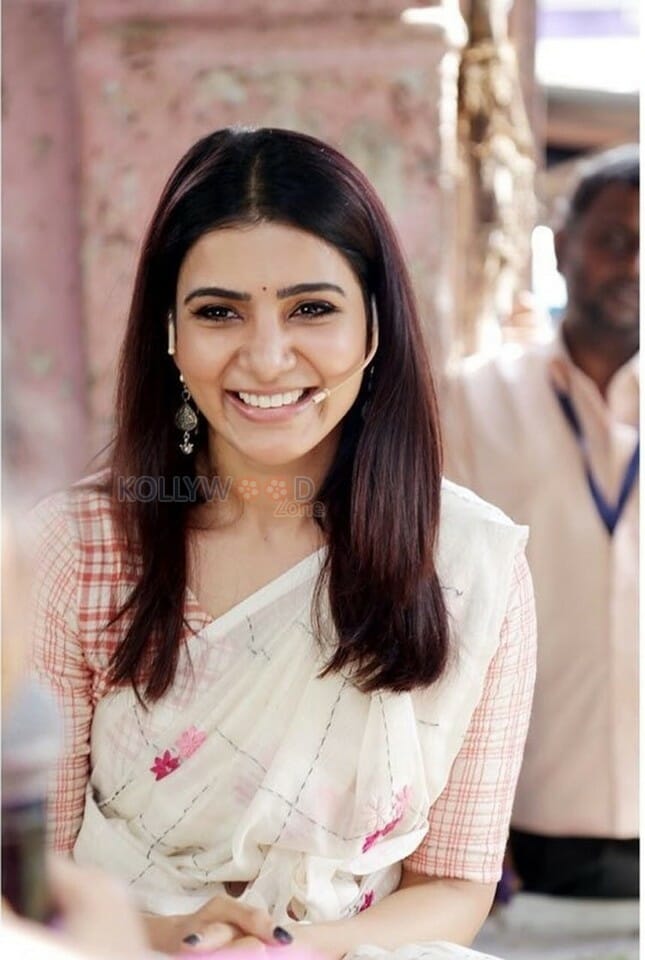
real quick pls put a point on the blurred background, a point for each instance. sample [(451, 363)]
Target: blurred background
[(469, 118)]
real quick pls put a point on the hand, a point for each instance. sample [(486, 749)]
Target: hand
[(87, 902), (222, 922), (524, 323)]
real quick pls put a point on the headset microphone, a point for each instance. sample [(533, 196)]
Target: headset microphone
[(326, 392)]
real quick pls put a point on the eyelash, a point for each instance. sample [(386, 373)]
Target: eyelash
[(213, 312), (209, 312), (322, 308)]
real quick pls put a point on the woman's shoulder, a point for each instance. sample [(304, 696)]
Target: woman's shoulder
[(477, 560), (473, 529), (82, 513), (460, 507)]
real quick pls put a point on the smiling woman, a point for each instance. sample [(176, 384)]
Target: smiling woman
[(256, 356), (297, 700)]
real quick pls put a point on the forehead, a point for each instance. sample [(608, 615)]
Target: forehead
[(617, 203), (267, 254)]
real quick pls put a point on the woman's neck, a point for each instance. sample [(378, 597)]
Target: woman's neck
[(267, 499)]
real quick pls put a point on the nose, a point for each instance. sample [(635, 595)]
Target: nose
[(268, 350)]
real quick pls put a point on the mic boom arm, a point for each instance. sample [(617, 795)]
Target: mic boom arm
[(326, 392)]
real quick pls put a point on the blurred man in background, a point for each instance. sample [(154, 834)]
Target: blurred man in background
[(550, 434)]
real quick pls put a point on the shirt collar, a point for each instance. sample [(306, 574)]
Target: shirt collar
[(624, 387)]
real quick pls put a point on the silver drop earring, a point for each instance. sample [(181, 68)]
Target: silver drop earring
[(186, 420)]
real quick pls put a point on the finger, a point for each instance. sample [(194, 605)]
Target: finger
[(250, 944), (211, 936), (88, 900), (79, 889), (203, 947), (252, 921)]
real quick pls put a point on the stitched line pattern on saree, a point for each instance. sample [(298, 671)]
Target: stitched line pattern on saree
[(387, 743), (148, 743), (160, 839), (323, 740), (104, 804), (251, 645), (292, 805)]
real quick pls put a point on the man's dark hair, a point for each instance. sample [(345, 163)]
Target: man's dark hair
[(620, 165)]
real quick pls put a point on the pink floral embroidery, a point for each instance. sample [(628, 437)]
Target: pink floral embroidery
[(189, 741), (367, 901), (370, 840), (164, 765), (400, 805), (186, 744)]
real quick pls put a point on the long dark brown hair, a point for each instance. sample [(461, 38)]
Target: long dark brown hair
[(381, 495)]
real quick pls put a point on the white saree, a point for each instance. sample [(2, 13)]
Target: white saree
[(254, 769)]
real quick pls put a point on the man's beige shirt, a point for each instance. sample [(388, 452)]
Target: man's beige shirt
[(506, 438)]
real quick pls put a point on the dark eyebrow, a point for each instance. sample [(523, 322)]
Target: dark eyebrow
[(308, 288), (216, 292)]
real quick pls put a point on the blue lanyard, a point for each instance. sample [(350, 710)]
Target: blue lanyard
[(609, 513)]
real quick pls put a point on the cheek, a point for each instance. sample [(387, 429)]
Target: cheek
[(338, 350), (200, 358), (594, 270), (580, 278)]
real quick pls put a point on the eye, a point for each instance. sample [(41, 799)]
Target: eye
[(314, 308), (618, 242), (215, 313)]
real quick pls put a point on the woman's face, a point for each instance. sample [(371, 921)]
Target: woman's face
[(266, 316)]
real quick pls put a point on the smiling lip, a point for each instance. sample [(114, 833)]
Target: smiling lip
[(270, 414)]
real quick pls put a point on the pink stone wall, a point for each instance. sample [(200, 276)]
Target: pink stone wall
[(44, 389), (120, 89)]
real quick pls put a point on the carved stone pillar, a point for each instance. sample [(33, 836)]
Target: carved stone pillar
[(44, 392), (497, 203)]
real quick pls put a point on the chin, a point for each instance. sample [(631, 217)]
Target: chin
[(276, 457), (627, 326), (614, 321)]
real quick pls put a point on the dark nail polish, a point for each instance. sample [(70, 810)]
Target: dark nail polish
[(282, 935), (192, 939)]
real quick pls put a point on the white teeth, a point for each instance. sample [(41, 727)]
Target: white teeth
[(265, 400)]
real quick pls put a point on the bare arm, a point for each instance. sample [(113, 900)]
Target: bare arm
[(421, 910)]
